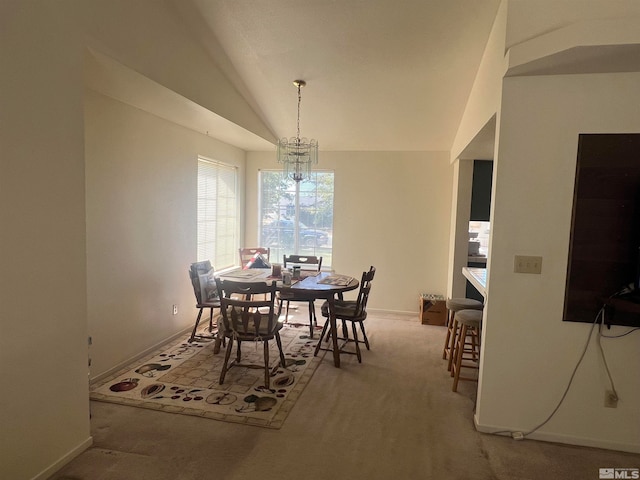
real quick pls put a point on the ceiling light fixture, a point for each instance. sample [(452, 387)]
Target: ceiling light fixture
[(298, 154)]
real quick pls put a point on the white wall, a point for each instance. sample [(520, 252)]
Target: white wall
[(44, 412), (150, 37), (482, 108), (141, 176), (484, 99), (528, 20), (391, 210), (459, 231), (529, 352), (43, 348)]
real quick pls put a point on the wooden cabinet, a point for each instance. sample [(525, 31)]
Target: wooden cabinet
[(433, 310)]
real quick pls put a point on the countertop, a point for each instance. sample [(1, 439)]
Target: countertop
[(478, 278)]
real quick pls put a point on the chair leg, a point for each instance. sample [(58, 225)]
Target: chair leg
[(460, 346), (460, 352), (324, 331), (227, 354), (455, 370), (355, 340), (195, 327), (283, 362), (454, 334), (238, 350), (210, 319), (266, 364), (364, 335), (328, 332), (312, 316), (446, 351), (474, 345)]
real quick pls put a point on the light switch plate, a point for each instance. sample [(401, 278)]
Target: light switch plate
[(527, 264)]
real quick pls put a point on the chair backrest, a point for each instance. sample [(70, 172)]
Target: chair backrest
[(247, 253), (316, 262), (201, 267), (243, 313), (363, 293), (202, 280)]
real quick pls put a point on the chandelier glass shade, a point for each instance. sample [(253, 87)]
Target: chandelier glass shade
[(297, 154)]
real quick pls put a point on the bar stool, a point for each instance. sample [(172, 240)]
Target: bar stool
[(454, 305), (467, 345)]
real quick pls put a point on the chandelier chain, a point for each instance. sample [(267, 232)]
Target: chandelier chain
[(299, 101)]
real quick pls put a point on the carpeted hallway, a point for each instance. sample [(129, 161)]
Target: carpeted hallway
[(393, 416)]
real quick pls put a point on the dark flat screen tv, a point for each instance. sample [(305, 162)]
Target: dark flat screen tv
[(604, 250)]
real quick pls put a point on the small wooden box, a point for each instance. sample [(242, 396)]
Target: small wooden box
[(433, 312)]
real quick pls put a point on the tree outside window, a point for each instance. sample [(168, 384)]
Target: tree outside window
[(296, 218)]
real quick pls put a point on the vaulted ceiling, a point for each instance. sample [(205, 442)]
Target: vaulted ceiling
[(381, 74)]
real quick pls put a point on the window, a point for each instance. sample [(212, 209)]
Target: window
[(217, 213), (296, 218)]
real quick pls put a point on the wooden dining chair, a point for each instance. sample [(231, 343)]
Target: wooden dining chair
[(206, 293), (247, 253), (354, 311), (247, 319), (313, 264)]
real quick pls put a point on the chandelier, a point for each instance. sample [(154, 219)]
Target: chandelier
[(298, 154)]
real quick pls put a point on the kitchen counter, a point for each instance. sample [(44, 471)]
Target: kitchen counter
[(477, 277)]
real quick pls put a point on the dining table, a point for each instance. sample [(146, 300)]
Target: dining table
[(311, 285)]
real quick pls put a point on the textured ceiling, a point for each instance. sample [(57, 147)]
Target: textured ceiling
[(381, 74)]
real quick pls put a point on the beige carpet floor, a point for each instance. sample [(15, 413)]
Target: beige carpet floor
[(392, 417)]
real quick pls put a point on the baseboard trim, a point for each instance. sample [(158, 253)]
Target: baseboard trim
[(60, 463), (393, 312), (138, 356), (561, 438)]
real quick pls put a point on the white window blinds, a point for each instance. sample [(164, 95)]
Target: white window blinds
[(217, 213)]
